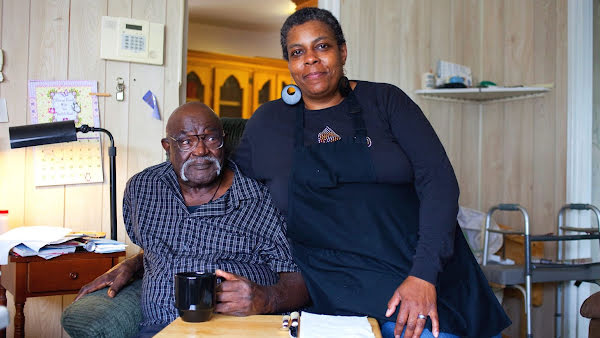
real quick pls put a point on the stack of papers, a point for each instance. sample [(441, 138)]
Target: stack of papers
[(103, 245), (45, 252), (325, 326), (49, 242), (33, 237)]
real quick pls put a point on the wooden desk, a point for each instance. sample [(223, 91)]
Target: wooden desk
[(228, 326), (35, 277)]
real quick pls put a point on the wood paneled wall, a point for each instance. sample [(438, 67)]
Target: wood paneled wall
[(58, 40), (512, 152)]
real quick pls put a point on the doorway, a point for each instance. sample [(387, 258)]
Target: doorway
[(234, 55)]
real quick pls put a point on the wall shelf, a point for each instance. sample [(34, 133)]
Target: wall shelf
[(482, 95)]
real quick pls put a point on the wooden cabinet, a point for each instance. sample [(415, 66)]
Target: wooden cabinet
[(26, 277), (283, 79), (305, 3), (232, 92), (264, 88), (199, 84), (234, 86)]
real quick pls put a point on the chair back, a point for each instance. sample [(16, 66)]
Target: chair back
[(233, 128)]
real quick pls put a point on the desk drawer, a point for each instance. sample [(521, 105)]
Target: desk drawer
[(65, 275)]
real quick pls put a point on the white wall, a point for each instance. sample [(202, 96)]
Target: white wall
[(59, 40), (233, 41), (513, 152)]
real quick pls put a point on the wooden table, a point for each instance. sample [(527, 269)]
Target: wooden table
[(35, 277), (261, 326)]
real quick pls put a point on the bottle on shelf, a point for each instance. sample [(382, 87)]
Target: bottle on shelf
[(3, 221), (428, 80)]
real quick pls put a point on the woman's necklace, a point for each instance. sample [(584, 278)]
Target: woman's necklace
[(218, 186)]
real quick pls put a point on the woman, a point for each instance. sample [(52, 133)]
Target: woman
[(370, 196)]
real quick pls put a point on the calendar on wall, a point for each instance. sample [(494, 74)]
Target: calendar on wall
[(73, 162)]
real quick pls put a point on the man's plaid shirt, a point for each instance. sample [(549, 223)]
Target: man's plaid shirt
[(241, 232)]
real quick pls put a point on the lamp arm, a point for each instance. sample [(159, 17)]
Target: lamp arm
[(112, 154)]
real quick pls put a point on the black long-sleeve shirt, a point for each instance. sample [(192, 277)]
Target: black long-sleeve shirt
[(405, 149)]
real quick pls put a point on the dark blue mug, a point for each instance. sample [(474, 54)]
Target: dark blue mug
[(195, 295)]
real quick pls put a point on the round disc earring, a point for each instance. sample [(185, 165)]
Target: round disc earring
[(292, 98)]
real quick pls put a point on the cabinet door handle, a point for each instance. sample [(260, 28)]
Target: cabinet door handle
[(73, 275)]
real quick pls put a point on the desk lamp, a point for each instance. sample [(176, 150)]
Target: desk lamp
[(65, 131)]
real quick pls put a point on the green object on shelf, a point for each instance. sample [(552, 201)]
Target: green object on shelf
[(486, 84)]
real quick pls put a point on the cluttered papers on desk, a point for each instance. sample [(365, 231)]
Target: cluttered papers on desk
[(49, 242), (34, 237), (326, 326), (103, 245), (46, 252)]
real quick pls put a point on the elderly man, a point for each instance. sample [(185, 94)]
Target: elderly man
[(197, 212)]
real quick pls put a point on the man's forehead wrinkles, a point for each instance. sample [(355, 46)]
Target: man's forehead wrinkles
[(198, 130)]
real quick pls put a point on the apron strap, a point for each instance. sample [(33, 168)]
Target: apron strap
[(358, 123), (299, 129)]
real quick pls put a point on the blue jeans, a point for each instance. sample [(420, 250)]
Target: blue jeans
[(150, 330), (387, 331)]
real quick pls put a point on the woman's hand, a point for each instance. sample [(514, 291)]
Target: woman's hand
[(239, 296), (416, 297)]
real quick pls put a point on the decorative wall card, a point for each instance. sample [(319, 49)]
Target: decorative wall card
[(150, 99), (73, 162)]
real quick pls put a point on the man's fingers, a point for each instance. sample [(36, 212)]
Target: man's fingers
[(226, 275), (235, 286), (81, 293), (117, 284), (229, 296), (89, 288), (114, 289), (229, 308)]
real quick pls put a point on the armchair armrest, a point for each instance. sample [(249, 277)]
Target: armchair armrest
[(97, 315)]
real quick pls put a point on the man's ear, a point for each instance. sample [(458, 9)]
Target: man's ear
[(166, 146)]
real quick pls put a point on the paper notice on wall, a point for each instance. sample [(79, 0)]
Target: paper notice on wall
[(73, 162)]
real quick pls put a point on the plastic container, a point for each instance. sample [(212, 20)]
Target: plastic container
[(428, 80), (3, 221)]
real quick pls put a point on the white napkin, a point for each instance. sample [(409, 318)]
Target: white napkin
[(325, 326)]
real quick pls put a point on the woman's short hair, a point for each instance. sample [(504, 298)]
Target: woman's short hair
[(309, 14)]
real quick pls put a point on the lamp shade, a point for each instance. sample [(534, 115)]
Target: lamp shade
[(42, 133)]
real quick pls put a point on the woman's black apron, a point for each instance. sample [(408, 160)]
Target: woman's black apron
[(354, 239)]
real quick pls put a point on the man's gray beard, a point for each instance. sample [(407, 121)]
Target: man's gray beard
[(192, 160)]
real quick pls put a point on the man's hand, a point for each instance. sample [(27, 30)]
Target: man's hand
[(238, 296), (416, 297), (116, 278)]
